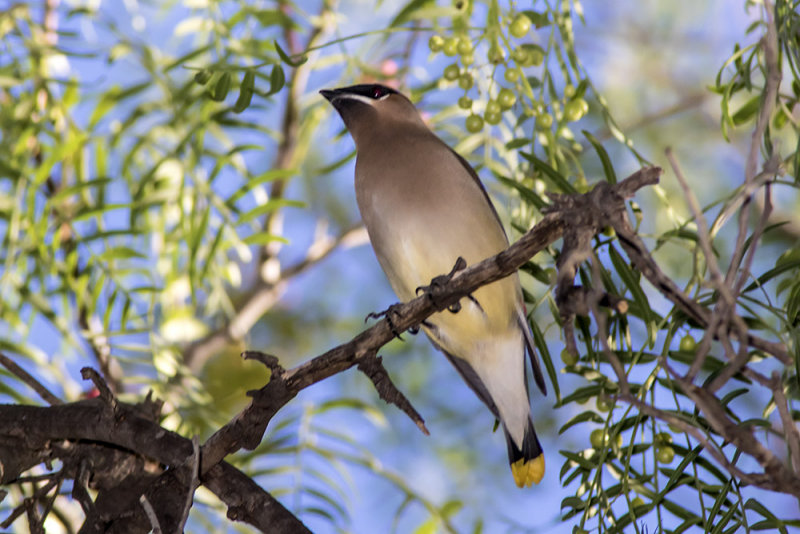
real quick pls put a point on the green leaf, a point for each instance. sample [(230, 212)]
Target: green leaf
[(581, 418), (245, 92), (573, 502), (539, 20), (203, 76), (405, 14), (186, 57), (557, 179), (277, 79), (222, 87), (286, 59), (608, 168), (541, 346), (517, 143), (269, 206), (771, 522), (631, 282), (262, 238), (120, 253), (273, 17), (747, 111)]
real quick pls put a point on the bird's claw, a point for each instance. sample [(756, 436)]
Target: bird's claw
[(388, 313), (438, 284)]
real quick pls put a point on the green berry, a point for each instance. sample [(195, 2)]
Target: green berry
[(608, 231), (638, 501), (467, 60), (665, 454), (465, 81), (568, 358), (575, 109), (534, 58), (663, 437), (603, 403), (436, 43), (492, 106), (451, 72), (474, 123), (520, 25), (464, 45), (688, 344), (511, 75), (520, 55), (598, 438), (450, 47), (465, 102), (544, 121), (492, 117), (506, 98)]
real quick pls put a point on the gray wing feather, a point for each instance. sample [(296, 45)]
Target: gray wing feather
[(537, 370)]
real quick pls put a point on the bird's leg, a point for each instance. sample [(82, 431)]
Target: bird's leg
[(438, 284), (388, 313)]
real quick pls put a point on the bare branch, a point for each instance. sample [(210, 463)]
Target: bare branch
[(769, 44), (264, 296), (26, 377), (374, 369), (151, 514), (790, 432)]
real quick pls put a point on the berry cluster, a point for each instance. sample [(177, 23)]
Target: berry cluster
[(521, 56)]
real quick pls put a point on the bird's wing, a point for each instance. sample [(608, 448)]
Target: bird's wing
[(537, 370), (477, 180), (471, 378), (523, 323)]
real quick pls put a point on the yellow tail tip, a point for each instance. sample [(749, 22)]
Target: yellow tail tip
[(527, 473)]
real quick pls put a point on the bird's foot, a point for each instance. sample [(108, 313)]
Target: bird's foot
[(438, 284), (389, 313)]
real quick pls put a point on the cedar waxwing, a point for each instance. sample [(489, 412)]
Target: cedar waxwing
[(424, 207)]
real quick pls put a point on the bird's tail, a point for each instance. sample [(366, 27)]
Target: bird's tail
[(527, 463)]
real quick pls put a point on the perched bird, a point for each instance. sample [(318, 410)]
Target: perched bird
[(424, 207)]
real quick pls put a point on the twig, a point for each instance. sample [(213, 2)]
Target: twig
[(755, 479), (151, 514), (48, 507), (372, 366), (194, 467), (754, 238), (80, 489), (28, 379), (641, 259), (702, 230), (769, 43), (263, 296), (105, 392), (790, 432), (101, 348), (286, 154)]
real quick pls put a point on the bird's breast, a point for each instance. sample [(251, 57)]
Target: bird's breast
[(423, 210)]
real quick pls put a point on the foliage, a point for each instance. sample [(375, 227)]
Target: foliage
[(147, 195)]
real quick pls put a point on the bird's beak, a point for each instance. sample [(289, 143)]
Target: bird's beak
[(330, 94)]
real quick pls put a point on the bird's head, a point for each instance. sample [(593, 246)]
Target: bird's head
[(369, 109)]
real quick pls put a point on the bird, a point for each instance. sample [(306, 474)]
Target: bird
[(424, 207)]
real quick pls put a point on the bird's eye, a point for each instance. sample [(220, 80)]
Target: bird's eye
[(378, 92)]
